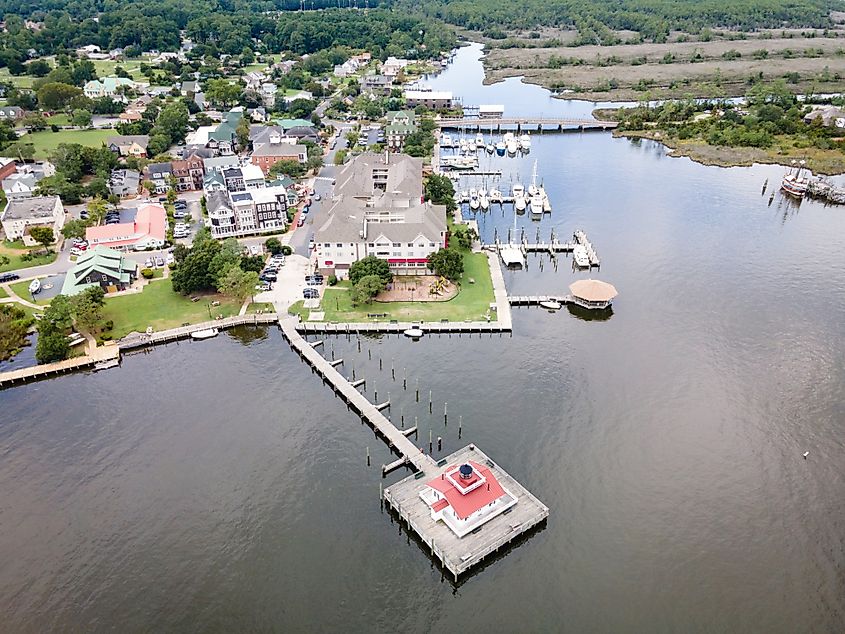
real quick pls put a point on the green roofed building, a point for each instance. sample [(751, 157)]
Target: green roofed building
[(102, 267), (287, 124), (400, 124)]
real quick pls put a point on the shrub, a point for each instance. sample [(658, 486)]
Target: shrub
[(147, 274), (332, 281), (286, 249)]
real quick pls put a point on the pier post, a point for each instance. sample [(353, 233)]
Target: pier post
[(445, 413), (353, 374), (359, 341), (439, 443), (368, 456), (460, 424), (418, 390), (402, 416), (379, 364), (375, 394), (430, 445), (392, 370), (404, 380), (429, 401)]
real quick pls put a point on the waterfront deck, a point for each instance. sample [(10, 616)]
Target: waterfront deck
[(459, 554), (100, 354), (142, 340)]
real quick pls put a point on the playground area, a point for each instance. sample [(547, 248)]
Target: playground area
[(418, 288)]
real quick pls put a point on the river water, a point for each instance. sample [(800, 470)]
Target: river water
[(219, 486)]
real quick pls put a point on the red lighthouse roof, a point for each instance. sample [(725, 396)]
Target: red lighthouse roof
[(472, 493)]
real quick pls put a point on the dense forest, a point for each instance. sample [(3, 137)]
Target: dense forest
[(653, 19)]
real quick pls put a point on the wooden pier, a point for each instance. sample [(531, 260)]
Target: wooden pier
[(544, 124), (399, 327), (45, 370), (459, 554), (370, 413), (141, 340)]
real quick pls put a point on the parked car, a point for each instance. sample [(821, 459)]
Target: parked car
[(310, 293), (317, 197), (279, 259), (268, 277), (159, 261), (9, 277), (83, 215), (300, 222), (264, 286), (311, 244), (255, 249)]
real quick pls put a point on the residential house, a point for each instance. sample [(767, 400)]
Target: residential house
[(253, 79), (378, 209), (376, 84), (287, 124), (103, 267), (213, 182), (106, 87), (125, 183), (188, 173), (242, 213), (223, 138), (392, 66), (220, 163), (268, 92), (20, 185), (7, 167), (21, 214), (830, 116), (11, 113), (191, 87), (159, 174), (129, 144), (268, 154), (302, 133), (245, 178), (130, 116), (301, 94), (432, 99), (400, 124), (147, 231)]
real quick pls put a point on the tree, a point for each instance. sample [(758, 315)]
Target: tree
[(14, 324), (301, 108), (33, 122), (194, 271), (366, 288), (97, 208), (87, 309), (237, 283), (81, 118), (370, 265), (52, 331), (242, 134), (448, 263), (273, 245), (42, 235), (75, 228), (287, 167), (158, 144), (441, 191), (56, 95), (252, 263), (38, 68), (171, 196), (24, 151), (52, 346), (172, 122), (222, 92)]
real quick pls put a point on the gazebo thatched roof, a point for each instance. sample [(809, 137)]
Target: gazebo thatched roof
[(593, 290)]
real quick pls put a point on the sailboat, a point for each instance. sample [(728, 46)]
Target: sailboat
[(519, 202), (535, 197), (474, 203), (479, 140), (510, 143), (483, 201), (446, 140)]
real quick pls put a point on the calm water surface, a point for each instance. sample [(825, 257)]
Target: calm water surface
[(219, 486)]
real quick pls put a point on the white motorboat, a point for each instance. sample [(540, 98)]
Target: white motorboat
[(463, 148), (579, 255), (500, 148), (479, 140), (511, 143), (483, 201), (519, 201), (414, 332), (525, 142), (106, 364), (474, 202), (490, 148), (446, 140), (205, 333), (551, 304), (534, 196), (795, 185), (495, 196), (34, 287)]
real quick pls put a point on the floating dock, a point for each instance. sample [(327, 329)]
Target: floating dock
[(459, 554)]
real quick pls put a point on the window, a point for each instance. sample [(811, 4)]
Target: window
[(431, 244), (339, 244), (397, 245)]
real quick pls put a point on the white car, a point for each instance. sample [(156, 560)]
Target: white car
[(254, 249), (170, 259)]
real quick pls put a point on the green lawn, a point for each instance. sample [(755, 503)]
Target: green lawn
[(3, 293), (105, 67), (264, 307), (46, 141), (59, 119), (19, 81), (15, 261), (158, 306), (471, 303)]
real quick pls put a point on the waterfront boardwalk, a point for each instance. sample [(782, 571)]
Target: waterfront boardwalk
[(546, 124), (459, 554), (345, 390), (142, 340), (23, 375)]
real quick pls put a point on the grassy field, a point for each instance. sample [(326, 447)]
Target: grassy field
[(158, 306), (60, 119), (3, 293), (21, 289), (264, 307), (46, 141), (471, 303), (19, 81), (105, 67), (681, 68), (15, 261)]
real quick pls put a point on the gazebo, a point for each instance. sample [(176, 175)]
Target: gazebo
[(592, 294)]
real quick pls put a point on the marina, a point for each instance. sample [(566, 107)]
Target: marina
[(539, 124)]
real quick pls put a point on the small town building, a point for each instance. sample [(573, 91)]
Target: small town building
[(106, 87), (7, 167), (147, 231), (160, 175), (830, 116), (20, 185), (234, 214), (400, 124), (22, 214), (125, 183), (491, 111), (378, 209), (11, 113), (268, 154), (103, 267), (220, 163), (130, 116), (129, 144), (432, 99), (376, 84), (188, 173), (465, 497)]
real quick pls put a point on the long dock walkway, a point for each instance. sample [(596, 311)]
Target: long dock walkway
[(546, 124), (142, 340), (44, 370), (369, 412)]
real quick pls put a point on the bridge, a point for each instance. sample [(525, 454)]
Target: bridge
[(545, 124)]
